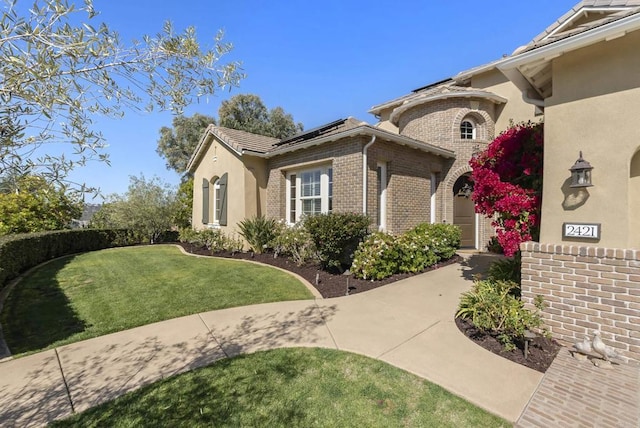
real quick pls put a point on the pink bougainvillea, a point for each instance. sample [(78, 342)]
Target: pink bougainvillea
[(507, 180)]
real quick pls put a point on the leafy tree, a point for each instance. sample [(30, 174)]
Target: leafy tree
[(184, 204), (247, 113), (60, 67), (148, 208), (507, 180), (34, 205), (177, 144), (281, 124)]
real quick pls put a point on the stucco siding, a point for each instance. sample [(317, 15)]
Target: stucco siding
[(515, 109), (594, 109)]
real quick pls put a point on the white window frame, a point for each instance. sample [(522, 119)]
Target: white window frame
[(215, 199), (382, 195), (325, 196), (433, 202), (473, 129)]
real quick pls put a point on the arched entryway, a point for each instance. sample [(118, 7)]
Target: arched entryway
[(464, 214)]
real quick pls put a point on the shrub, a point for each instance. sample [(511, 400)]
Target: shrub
[(493, 246), (506, 270), (295, 241), (336, 236), (492, 307), (213, 239), (376, 257), (259, 232), (415, 252), (20, 252), (442, 239)]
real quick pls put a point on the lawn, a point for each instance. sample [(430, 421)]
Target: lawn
[(290, 388), (101, 292)]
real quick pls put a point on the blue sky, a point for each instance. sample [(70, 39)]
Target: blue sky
[(319, 60)]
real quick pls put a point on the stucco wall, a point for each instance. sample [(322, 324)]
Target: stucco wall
[(515, 109), (244, 187), (594, 108)]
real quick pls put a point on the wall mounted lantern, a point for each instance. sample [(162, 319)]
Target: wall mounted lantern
[(581, 173)]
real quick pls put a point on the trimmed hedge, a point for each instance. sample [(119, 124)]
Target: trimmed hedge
[(21, 252)]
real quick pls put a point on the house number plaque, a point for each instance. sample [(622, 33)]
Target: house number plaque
[(581, 230)]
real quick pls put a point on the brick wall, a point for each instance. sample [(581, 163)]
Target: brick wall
[(346, 158), (586, 288)]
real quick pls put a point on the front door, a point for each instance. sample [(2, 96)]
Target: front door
[(464, 214)]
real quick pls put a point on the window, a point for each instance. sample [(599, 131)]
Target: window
[(381, 184), (217, 202), (309, 192), (214, 201), (467, 130)]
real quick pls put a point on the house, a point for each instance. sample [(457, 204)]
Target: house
[(581, 74)]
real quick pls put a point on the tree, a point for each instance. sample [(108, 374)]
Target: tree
[(34, 205), (59, 68), (184, 204), (247, 113), (148, 208), (177, 144), (507, 180)]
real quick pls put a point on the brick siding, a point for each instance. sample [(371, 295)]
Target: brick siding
[(586, 288)]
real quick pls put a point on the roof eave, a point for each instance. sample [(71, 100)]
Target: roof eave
[(366, 130), (203, 145), (497, 99), (511, 67)]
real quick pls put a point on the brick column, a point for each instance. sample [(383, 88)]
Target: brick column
[(586, 288)]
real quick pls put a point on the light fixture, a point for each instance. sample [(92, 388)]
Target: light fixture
[(581, 173)]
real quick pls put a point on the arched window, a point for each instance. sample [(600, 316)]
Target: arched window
[(467, 130), (217, 202)]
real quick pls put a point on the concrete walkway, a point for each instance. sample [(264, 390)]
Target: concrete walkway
[(409, 324)]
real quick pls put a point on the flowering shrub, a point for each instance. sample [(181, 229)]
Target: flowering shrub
[(376, 257), (295, 241), (382, 255), (442, 239), (507, 180), (415, 251)]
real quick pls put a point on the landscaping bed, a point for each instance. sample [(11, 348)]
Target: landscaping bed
[(329, 285), (542, 351)]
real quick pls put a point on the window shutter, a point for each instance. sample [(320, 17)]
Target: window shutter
[(223, 199), (205, 201)]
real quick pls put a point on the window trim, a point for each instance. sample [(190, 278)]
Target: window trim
[(464, 134), (294, 201), (381, 195), (216, 210)]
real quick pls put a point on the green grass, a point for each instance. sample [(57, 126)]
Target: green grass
[(101, 292), (290, 388)]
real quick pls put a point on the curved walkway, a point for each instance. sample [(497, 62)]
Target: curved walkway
[(408, 324)]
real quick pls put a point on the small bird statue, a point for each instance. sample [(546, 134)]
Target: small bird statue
[(584, 347), (602, 349)]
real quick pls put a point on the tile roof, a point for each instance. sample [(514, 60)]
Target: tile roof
[(587, 10), (242, 140)]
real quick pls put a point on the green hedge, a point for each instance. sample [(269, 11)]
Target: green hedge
[(20, 252)]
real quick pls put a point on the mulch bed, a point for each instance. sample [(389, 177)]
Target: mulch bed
[(542, 351), (328, 284)]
